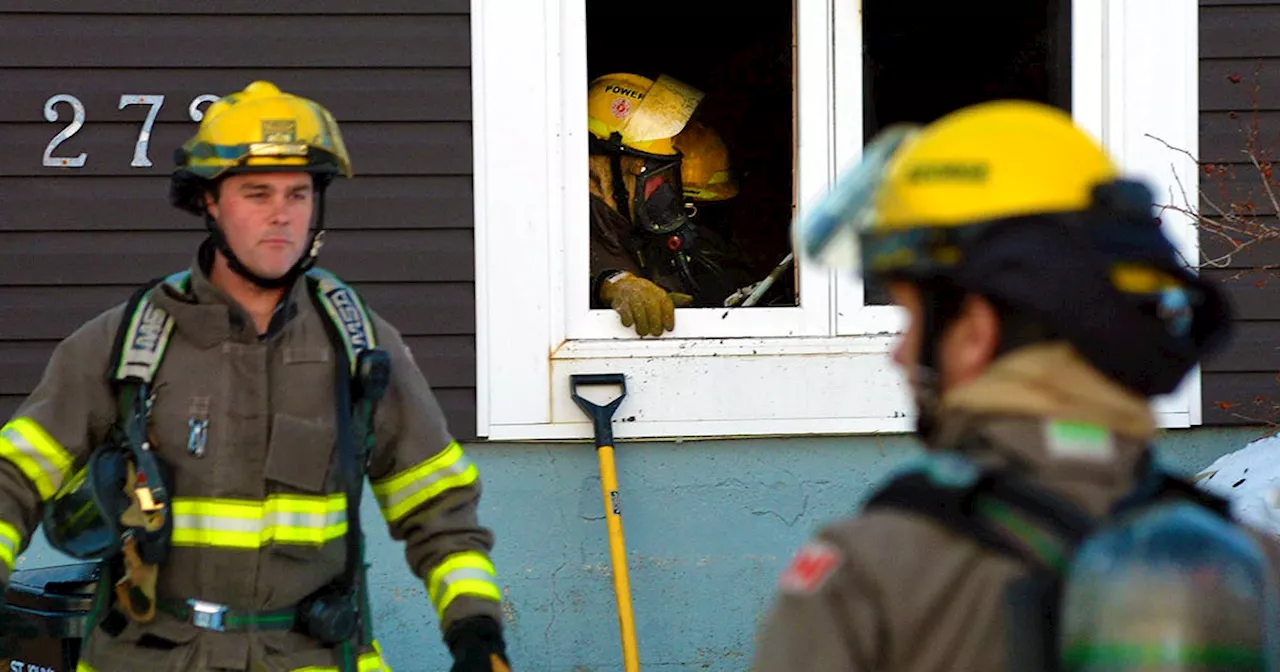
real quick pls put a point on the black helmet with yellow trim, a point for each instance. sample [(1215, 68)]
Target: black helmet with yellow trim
[(1012, 201), (259, 129)]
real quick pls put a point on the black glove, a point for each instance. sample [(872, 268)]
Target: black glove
[(13, 628), (477, 645)]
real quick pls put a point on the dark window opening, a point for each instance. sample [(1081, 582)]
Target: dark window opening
[(925, 58), (922, 59), (741, 57)]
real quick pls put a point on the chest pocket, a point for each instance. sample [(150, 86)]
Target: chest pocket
[(300, 452)]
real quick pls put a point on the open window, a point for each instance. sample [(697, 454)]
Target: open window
[(794, 88), (737, 151)]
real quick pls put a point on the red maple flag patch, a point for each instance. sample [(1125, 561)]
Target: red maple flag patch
[(810, 567)]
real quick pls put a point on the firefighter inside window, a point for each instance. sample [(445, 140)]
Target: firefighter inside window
[(691, 167)]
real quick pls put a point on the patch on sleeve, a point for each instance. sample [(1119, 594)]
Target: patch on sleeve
[(810, 568)]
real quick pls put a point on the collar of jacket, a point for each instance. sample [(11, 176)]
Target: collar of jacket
[(1052, 381), (1046, 411), (207, 316)]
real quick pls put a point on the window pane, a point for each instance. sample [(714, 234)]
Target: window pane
[(925, 58), (716, 223)]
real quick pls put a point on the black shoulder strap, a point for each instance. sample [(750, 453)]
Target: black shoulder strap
[(348, 464), (997, 508), (361, 375), (1156, 485)]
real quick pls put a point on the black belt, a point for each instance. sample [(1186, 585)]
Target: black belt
[(221, 618)]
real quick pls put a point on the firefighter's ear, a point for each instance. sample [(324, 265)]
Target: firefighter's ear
[(970, 342), (210, 204)]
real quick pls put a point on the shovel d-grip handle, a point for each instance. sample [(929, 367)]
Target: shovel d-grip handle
[(601, 416)]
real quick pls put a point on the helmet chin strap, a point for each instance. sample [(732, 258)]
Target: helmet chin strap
[(314, 242), (928, 383)]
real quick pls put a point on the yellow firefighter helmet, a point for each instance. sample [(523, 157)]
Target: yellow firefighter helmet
[(640, 113), (258, 129), (1013, 201), (705, 169)]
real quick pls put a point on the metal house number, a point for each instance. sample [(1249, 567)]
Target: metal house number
[(140, 158)]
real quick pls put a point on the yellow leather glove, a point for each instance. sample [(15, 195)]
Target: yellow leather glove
[(638, 301)]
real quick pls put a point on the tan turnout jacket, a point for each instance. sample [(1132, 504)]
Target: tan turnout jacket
[(889, 591), (260, 516)]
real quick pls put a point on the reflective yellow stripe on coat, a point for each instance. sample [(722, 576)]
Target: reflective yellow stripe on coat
[(368, 662), (30, 448), (468, 573), (10, 540), (247, 524), (403, 492)]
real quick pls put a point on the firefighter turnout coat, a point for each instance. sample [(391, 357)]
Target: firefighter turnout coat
[(247, 424)]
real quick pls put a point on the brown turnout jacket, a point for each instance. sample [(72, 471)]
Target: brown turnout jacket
[(889, 591), (260, 516)]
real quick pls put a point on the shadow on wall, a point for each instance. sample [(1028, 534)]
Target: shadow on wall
[(709, 525)]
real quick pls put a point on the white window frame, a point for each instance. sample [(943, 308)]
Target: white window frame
[(821, 368)]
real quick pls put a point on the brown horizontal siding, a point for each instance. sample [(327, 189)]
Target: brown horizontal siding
[(99, 258), (1223, 138), (1253, 293), (1240, 30), (25, 361), (1240, 185), (214, 40), (402, 94), (1221, 92), (1240, 69), (1240, 398), (396, 74), (389, 148), (1255, 341), (50, 313), (140, 203)]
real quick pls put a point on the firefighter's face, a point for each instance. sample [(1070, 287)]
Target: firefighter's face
[(965, 348), (265, 218)]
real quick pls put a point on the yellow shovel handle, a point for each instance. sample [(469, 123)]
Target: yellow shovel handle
[(618, 557)]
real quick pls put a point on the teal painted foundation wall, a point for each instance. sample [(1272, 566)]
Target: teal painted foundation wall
[(708, 524)]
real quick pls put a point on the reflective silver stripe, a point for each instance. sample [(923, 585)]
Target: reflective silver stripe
[(319, 521), (303, 519), (252, 524), (463, 574), (454, 470), (29, 451)]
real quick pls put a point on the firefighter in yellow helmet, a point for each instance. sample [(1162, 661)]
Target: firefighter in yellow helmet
[(1045, 309), (651, 163), (215, 472)]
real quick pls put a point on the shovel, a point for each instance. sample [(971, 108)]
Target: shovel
[(602, 423)]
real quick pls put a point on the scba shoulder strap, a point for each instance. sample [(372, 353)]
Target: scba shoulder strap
[(144, 334)]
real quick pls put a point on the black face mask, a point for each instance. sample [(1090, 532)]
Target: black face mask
[(658, 204), (667, 235)]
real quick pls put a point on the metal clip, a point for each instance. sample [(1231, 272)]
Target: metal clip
[(207, 615), (198, 436), (146, 501)]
